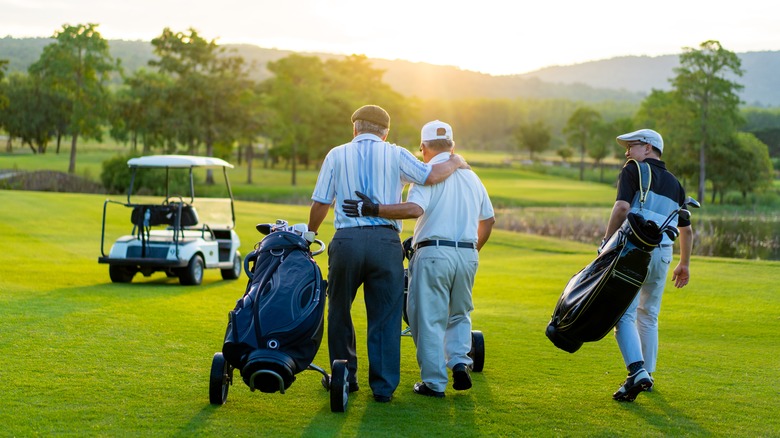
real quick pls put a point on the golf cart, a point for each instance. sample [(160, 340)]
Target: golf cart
[(170, 235)]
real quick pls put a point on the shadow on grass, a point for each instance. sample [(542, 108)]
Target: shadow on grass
[(64, 301), (455, 415), (654, 410), (198, 423)]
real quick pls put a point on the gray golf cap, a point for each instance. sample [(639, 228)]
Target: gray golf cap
[(644, 135)]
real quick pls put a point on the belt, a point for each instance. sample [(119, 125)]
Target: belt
[(666, 245), (375, 226), (450, 243)]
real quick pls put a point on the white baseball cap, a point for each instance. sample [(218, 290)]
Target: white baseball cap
[(644, 135), (436, 130)]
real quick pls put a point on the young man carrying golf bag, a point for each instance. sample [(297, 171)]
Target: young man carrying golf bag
[(637, 330)]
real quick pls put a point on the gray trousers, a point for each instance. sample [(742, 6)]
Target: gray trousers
[(439, 309), (637, 330), (372, 257)]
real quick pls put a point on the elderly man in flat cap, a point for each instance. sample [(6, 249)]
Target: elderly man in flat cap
[(367, 250)]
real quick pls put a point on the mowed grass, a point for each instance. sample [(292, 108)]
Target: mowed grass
[(80, 356)]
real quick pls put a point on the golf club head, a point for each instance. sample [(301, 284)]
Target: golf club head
[(685, 215), (264, 228), (672, 232), (692, 202)]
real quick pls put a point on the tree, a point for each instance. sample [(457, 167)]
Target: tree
[(602, 144), (665, 112), (565, 153), (78, 65), (142, 109), (742, 165), (3, 99), (296, 94), (26, 117), (313, 100), (535, 137), (207, 89), (703, 83), (580, 130), (256, 116)]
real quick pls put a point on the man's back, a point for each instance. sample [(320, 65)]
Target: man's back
[(371, 166), (452, 209)]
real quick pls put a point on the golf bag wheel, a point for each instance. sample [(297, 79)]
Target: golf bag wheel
[(339, 388), (234, 272), (192, 275), (121, 274), (220, 379), (477, 353), (325, 381)]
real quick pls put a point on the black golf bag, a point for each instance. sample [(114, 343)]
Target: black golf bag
[(276, 328), (595, 298)]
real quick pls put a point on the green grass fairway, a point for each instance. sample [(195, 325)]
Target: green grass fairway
[(80, 356)]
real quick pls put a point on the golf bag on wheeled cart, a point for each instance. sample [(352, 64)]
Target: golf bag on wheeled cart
[(276, 328), (597, 296)]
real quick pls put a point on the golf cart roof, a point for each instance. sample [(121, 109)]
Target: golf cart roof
[(183, 161)]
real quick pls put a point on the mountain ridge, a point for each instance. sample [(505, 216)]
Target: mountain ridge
[(625, 78)]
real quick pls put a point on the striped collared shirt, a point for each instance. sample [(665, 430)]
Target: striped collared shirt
[(371, 166)]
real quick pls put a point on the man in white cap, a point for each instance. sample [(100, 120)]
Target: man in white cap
[(455, 219), (367, 250), (637, 330)]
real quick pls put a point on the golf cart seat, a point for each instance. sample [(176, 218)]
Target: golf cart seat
[(149, 215)]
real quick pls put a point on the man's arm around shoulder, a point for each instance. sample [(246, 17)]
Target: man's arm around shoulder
[(442, 171)]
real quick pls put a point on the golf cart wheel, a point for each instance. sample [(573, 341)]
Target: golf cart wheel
[(192, 275), (477, 353), (121, 274), (339, 388), (234, 272), (220, 380)]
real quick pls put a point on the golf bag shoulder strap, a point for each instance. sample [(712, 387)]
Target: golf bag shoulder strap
[(645, 179)]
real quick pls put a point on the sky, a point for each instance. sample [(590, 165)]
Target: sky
[(489, 36)]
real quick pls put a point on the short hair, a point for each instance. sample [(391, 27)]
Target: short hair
[(366, 127), (657, 151), (440, 145)]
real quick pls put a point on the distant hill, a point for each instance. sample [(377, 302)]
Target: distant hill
[(627, 78), (644, 73)]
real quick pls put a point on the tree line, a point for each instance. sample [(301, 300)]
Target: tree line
[(197, 97)]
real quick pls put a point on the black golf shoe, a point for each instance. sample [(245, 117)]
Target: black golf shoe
[(634, 384)]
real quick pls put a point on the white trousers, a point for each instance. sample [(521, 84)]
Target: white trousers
[(637, 331), (439, 309)]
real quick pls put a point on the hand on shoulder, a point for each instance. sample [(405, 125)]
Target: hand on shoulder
[(462, 164)]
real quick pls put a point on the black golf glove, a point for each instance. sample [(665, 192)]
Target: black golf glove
[(364, 207)]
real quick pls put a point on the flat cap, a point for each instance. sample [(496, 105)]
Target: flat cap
[(372, 113)]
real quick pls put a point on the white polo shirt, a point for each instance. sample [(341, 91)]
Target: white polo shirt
[(371, 166), (453, 208)]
